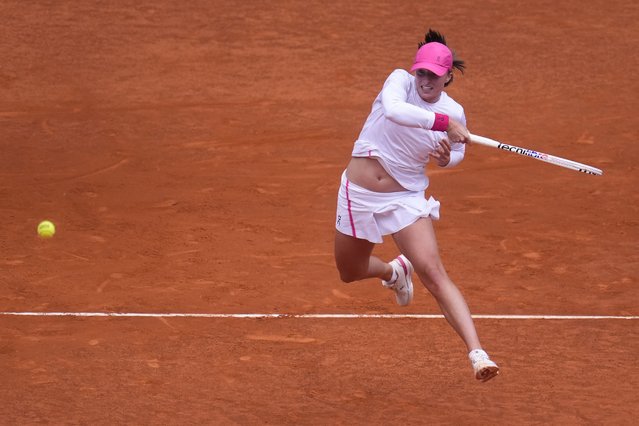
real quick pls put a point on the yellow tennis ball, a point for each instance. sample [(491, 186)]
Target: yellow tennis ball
[(46, 229)]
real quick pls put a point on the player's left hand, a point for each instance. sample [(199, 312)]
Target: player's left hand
[(442, 153)]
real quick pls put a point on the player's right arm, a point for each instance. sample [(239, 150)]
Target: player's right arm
[(396, 109)]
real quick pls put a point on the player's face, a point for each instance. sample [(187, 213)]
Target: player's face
[(430, 85)]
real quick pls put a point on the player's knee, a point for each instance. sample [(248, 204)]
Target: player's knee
[(434, 287), (348, 276), (433, 277), (347, 271)]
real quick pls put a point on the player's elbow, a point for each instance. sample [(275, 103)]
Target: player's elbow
[(391, 113)]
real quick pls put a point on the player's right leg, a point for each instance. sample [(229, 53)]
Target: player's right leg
[(355, 262)]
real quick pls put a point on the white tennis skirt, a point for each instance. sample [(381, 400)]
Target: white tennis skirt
[(371, 215)]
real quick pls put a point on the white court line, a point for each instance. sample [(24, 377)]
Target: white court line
[(327, 316)]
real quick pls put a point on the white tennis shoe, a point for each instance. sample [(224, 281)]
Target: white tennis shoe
[(403, 285), (484, 368)]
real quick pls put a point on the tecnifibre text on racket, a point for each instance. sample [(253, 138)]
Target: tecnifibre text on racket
[(552, 159)]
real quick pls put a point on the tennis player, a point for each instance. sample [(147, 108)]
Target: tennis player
[(382, 192)]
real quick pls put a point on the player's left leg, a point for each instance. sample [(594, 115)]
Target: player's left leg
[(418, 243)]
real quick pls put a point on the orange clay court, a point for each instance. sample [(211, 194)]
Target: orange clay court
[(189, 154)]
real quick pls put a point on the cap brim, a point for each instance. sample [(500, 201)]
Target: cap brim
[(437, 69)]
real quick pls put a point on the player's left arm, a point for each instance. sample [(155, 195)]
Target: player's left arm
[(450, 154), (457, 151)]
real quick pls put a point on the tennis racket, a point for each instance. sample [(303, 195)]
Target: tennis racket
[(552, 159)]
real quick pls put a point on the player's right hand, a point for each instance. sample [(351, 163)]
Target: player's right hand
[(457, 132)]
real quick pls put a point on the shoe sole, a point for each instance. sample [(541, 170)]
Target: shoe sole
[(486, 371)]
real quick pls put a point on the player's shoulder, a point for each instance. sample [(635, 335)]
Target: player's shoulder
[(400, 75), (399, 80)]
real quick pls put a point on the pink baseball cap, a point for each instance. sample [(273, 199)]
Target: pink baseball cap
[(435, 57)]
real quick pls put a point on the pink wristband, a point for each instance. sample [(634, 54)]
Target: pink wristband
[(441, 123)]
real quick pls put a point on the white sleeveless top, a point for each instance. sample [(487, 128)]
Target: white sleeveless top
[(397, 131)]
